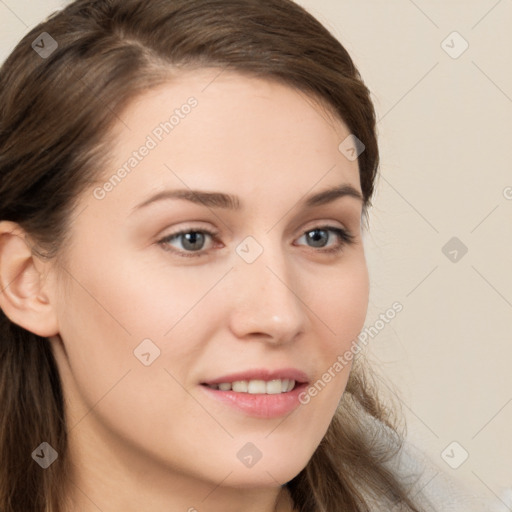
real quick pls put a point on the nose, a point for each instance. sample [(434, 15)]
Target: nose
[(268, 298)]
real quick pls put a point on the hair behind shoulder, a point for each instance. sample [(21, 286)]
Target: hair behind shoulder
[(55, 116)]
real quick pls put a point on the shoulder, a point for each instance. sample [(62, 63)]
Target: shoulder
[(431, 485), (434, 488)]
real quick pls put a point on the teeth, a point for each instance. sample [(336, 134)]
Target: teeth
[(257, 387), (240, 386), (274, 387)]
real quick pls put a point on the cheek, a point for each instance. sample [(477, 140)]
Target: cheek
[(340, 308), (117, 309), (105, 315), (341, 305), (128, 299)]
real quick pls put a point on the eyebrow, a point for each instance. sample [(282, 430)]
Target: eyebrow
[(232, 202)]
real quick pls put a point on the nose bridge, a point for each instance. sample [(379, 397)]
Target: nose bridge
[(267, 290)]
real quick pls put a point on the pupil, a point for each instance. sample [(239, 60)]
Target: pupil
[(191, 238), (317, 238)]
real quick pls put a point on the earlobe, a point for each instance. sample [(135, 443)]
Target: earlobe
[(24, 290)]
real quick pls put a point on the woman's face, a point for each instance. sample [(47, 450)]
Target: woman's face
[(147, 317)]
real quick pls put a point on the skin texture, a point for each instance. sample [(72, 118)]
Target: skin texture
[(148, 437)]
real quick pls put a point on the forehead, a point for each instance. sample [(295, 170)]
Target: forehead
[(221, 130)]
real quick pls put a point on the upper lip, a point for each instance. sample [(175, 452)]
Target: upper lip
[(262, 374)]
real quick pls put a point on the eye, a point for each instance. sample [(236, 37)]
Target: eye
[(319, 236), (192, 241)]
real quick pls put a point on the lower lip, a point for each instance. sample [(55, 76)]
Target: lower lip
[(259, 405)]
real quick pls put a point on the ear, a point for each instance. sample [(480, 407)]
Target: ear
[(24, 289)]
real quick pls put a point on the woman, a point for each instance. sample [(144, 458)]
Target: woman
[(182, 268)]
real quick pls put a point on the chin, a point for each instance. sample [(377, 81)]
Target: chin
[(271, 473)]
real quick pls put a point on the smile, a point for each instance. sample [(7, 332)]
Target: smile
[(256, 386)]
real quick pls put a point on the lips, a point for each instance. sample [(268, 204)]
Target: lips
[(260, 393)]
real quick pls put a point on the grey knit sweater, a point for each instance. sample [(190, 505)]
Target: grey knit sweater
[(431, 486)]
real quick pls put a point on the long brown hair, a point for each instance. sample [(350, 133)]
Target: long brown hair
[(56, 113)]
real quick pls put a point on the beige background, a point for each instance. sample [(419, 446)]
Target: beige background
[(445, 129)]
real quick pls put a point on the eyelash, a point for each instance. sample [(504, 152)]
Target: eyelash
[(345, 237)]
